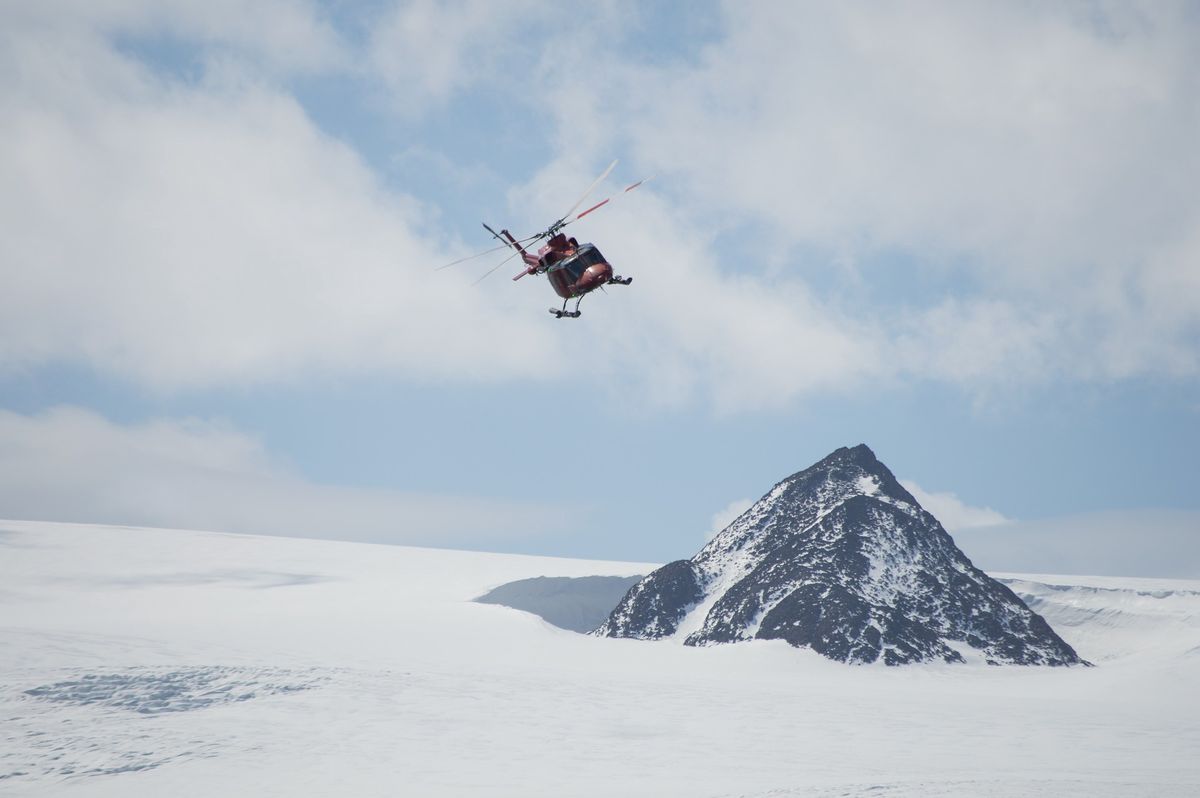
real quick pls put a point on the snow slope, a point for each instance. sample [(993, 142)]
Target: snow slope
[(155, 662), (1122, 620)]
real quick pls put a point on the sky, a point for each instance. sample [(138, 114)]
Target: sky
[(965, 234)]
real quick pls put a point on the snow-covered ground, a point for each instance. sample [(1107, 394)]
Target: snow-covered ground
[(156, 662)]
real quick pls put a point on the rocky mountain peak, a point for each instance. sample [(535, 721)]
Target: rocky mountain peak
[(841, 558)]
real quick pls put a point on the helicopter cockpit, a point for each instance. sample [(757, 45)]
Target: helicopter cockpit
[(575, 265)]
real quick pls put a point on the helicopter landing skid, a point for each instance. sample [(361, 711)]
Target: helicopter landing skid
[(563, 313)]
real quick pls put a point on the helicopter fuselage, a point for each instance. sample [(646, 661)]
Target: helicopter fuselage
[(573, 269), (582, 270)]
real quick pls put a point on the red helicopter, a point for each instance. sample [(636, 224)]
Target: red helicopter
[(574, 269)]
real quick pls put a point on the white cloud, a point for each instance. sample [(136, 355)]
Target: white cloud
[(1144, 542), (727, 516), (954, 514), (278, 35), (1036, 159), (191, 235), (689, 327), (425, 50), (1147, 542), (70, 464)]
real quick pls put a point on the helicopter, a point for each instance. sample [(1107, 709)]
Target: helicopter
[(573, 269)]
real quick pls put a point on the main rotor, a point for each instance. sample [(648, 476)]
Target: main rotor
[(507, 241)]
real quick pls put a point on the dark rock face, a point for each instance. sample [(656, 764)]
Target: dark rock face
[(656, 605), (840, 558)]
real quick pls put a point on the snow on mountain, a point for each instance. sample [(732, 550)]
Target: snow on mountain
[(139, 662), (840, 558)]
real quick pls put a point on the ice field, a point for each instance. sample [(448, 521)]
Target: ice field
[(165, 662)]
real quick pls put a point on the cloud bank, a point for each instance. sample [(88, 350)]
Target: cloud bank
[(727, 516), (70, 464), (1020, 177), (1150, 542), (954, 514), (192, 234)]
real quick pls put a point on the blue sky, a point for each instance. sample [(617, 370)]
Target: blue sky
[(967, 235)]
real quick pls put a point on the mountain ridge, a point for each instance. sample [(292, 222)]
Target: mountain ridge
[(839, 557)]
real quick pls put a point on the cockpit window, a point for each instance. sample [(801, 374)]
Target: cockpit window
[(586, 255), (590, 255)]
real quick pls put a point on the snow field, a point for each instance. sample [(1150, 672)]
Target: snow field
[(182, 663)]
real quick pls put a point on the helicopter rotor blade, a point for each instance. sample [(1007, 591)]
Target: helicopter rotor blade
[(607, 200), (497, 266), (471, 257), (591, 188), (504, 245)]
